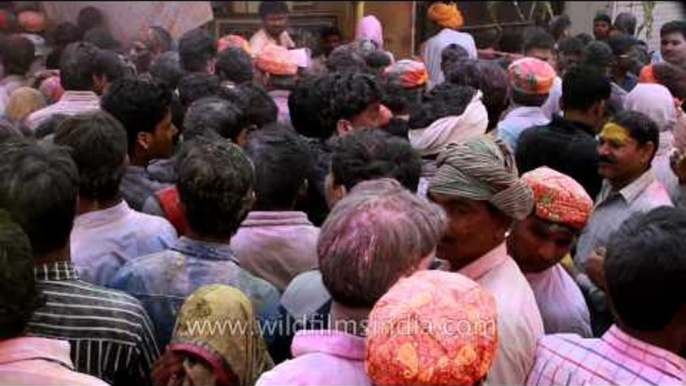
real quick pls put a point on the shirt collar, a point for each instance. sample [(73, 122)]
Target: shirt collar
[(630, 192), (263, 218), (653, 356), (331, 342), (204, 250), (32, 348), (79, 96), (486, 263), (61, 270), (102, 217), (559, 120), (525, 111)]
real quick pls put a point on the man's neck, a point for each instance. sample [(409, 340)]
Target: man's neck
[(209, 239), (349, 320), (663, 339), (87, 205), (620, 184), (57, 256), (577, 116)]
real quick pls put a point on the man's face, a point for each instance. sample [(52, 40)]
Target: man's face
[(566, 61), (621, 158), (537, 245), (673, 49), (275, 23), (470, 231), (330, 42), (601, 30), (162, 143), (543, 54)]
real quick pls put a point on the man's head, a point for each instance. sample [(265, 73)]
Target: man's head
[(623, 49), (377, 234), (586, 92), (452, 54), (569, 52), (598, 56), (167, 70), (673, 42), (539, 44), (561, 210), (331, 38), (143, 108), (215, 186), (478, 186), (150, 43), (626, 23), (645, 271), (197, 51), (98, 146), (18, 293), (215, 115), (282, 161), (260, 108), (530, 80), (346, 59), (628, 143), (103, 39), (235, 65), (561, 27), (404, 83), (197, 85), (18, 53), (80, 68), (444, 100), (89, 18), (39, 185), (274, 15), (601, 26), (65, 33), (367, 155), (111, 67)]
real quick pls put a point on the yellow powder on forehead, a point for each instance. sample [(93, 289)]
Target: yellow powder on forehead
[(614, 132)]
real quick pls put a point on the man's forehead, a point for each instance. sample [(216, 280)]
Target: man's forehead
[(673, 36)]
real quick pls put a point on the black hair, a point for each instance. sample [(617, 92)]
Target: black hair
[(18, 53), (570, 45), (451, 54), (671, 76), (78, 64), (346, 59), (401, 100), (645, 268), (344, 96), (8, 132), (98, 146), (582, 88), (585, 38), (446, 99), (621, 43), (603, 17), (529, 100), (370, 154), (597, 55), (215, 184), (197, 85), (103, 39), (300, 104), (282, 160), (196, 48), (90, 17), (138, 104), (214, 114), (112, 66), (162, 38), (626, 22), (39, 185), (511, 42), (49, 126), (672, 27), (64, 34), (329, 31), (167, 69), (19, 295), (260, 108), (272, 7), (559, 25), (377, 60), (235, 65), (538, 38), (641, 127)]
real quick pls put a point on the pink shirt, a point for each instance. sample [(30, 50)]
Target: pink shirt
[(519, 321), (614, 359), (324, 357), (39, 361), (71, 103)]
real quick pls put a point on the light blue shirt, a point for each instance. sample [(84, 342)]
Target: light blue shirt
[(517, 120)]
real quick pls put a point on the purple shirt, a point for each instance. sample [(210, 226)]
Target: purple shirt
[(325, 357)]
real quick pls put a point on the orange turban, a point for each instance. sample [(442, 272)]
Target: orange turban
[(647, 75), (233, 41), (433, 328), (32, 21), (446, 15), (276, 60)]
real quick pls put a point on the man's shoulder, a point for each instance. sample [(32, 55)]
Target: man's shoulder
[(78, 291)]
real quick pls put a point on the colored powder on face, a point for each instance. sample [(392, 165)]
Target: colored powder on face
[(614, 132)]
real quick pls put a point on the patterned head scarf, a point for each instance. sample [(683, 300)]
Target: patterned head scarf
[(407, 73), (31, 21), (483, 169), (233, 41), (277, 60), (52, 89), (446, 15), (558, 198), (241, 354), (655, 101), (531, 76), (433, 328)]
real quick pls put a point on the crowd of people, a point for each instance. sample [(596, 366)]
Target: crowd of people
[(225, 211)]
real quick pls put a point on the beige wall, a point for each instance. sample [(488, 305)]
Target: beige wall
[(398, 23)]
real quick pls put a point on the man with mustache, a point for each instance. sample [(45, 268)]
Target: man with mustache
[(627, 145)]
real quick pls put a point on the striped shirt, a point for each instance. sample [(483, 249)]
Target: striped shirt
[(614, 359), (110, 333), (71, 103)]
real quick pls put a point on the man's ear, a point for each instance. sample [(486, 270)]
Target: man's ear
[(343, 127), (646, 151), (99, 82), (144, 139)]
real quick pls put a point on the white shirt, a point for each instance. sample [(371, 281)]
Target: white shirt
[(519, 119), (433, 50), (519, 321), (552, 105), (261, 39), (104, 240), (560, 301)]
